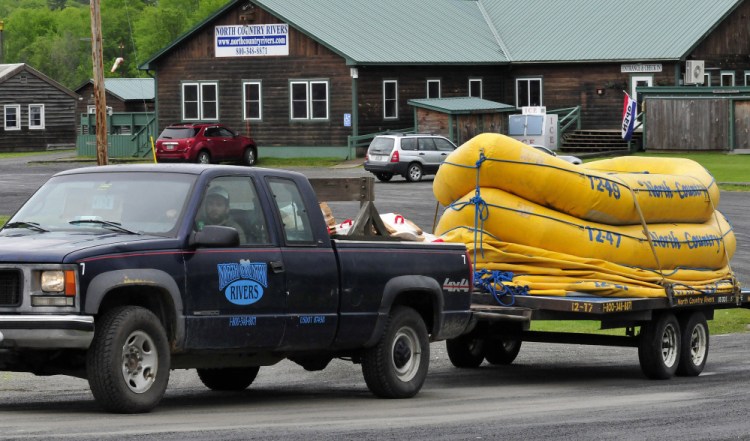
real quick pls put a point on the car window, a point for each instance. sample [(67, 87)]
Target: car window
[(381, 146), (178, 133), (224, 133), (408, 143), (291, 207), (239, 208), (211, 132), (444, 145), (427, 144)]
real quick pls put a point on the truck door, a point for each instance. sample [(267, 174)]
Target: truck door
[(310, 268), (235, 295)]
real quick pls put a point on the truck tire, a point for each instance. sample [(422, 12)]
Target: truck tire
[(127, 363), (228, 379), (397, 366), (694, 344), (502, 351), (466, 351), (659, 347)]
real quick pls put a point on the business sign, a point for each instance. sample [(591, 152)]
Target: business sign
[(251, 40), (640, 68)]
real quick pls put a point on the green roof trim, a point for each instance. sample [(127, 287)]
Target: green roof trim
[(461, 105)]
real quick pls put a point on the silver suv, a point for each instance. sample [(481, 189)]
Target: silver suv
[(411, 156)]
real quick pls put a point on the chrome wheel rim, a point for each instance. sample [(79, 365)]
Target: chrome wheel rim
[(140, 362), (669, 341), (698, 345), (406, 354)]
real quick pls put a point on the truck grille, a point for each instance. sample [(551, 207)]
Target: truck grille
[(10, 288)]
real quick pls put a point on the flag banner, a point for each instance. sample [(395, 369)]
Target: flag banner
[(629, 112)]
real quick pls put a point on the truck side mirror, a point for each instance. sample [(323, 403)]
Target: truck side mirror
[(215, 236)]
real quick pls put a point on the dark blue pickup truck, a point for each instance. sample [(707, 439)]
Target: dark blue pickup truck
[(119, 274)]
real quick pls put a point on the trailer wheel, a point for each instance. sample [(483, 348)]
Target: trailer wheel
[(466, 351), (659, 347), (397, 366), (228, 379), (502, 351), (694, 350), (128, 362)]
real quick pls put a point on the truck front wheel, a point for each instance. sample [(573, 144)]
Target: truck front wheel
[(228, 379), (397, 366), (128, 362)]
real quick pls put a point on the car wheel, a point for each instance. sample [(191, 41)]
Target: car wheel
[(384, 177), (249, 157), (414, 173), (203, 157)]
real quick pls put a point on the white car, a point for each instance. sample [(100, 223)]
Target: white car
[(572, 159)]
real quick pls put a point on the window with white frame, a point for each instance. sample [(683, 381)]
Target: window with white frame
[(475, 87), (707, 79), (747, 78), (433, 88), (390, 99), (528, 92), (727, 78), (200, 101), (12, 117), (251, 96), (36, 116), (308, 99)]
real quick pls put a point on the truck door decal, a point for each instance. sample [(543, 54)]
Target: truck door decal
[(243, 283)]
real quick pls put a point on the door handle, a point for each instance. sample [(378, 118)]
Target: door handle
[(277, 267)]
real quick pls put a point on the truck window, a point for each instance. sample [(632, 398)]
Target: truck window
[(292, 211), (233, 202)]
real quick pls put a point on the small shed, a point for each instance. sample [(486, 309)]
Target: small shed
[(38, 112), (461, 118), (122, 95)]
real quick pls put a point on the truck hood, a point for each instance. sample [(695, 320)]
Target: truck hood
[(54, 247)]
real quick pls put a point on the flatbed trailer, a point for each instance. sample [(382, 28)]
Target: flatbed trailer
[(671, 333)]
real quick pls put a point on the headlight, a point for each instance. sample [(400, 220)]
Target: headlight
[(53, 281)]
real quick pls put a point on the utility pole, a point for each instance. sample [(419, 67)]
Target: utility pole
[(100, 101)]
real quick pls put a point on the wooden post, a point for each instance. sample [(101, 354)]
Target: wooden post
[(99, 91)]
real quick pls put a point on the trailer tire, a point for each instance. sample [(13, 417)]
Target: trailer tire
[(466, 351), (397, 366), (228, 379), (659, 347), (127, 364), (694, 344), (502, 351)]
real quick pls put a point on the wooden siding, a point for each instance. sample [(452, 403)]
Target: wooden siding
[(117, 105), (742, 124), (727, 48), (460, 128), (194, 61), (684, 124), (59, 130)]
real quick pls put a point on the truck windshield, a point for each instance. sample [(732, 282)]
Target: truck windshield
[(124, 202)]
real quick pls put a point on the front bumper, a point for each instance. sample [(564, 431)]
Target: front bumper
[(46, 331)]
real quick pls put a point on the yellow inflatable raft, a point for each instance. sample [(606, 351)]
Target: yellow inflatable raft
[(613, 192), (509, 218)]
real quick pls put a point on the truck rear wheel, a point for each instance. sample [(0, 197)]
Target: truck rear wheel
[(659, 347), (694, 345), (466, 351), (397, 366), (228, 379), (502, 351), (128, 362)]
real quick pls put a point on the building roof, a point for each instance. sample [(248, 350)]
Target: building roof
[(496, 31), (461, 105), (128, 89), (8, 71)]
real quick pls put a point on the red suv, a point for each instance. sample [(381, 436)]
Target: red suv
[(204, 143)]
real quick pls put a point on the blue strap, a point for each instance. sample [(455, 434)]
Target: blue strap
[(490, 281)]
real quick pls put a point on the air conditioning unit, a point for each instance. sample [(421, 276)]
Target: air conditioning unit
[(694, 71)]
